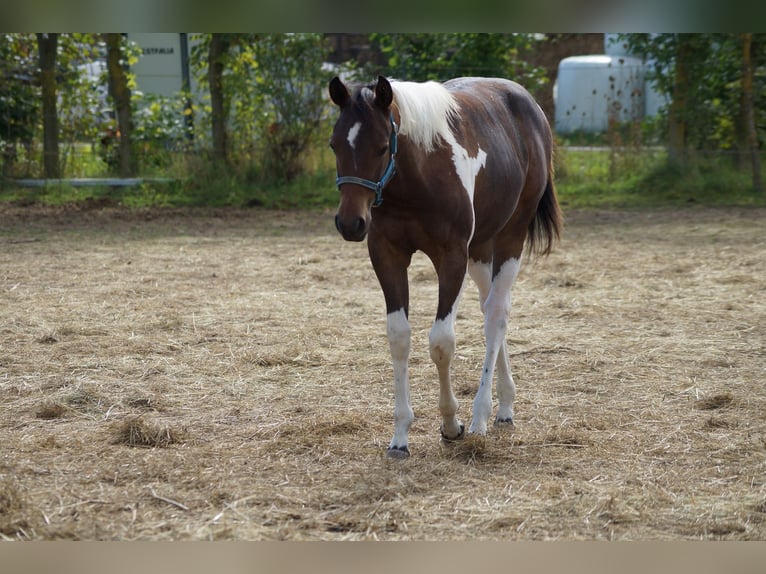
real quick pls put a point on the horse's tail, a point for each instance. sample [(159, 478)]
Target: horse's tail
[(545, 227)]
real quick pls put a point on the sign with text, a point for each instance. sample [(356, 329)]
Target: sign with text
[(159, 68)]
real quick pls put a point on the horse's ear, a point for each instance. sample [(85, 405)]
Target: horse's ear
[(384, 95), (339, 92)]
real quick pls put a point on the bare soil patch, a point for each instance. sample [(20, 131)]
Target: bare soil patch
[(198, 374)]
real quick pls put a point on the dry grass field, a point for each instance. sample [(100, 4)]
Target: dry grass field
[(195, 375)]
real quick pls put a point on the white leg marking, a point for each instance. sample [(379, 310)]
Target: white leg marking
[(496, 308), (481, 273), (352, 134), (441, 341), (506, 388), (399, 335)]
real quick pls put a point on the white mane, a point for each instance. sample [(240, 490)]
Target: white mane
[(426, 110)]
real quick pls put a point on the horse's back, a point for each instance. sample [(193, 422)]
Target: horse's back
[(502, 118), (501, 94)]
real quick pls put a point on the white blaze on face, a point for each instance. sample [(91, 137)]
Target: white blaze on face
[(352, 134)]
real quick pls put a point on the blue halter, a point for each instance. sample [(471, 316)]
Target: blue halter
[(387, 175)]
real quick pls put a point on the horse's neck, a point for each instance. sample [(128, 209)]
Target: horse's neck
[(412, 165)]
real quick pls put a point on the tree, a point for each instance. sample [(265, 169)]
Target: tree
[(119, 90), (703, 77), (48, 47), (679, 104), (217, 52), (748, 111), (267, 99), (440, 56)]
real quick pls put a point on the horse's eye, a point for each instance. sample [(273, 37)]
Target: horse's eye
[(383, 150)]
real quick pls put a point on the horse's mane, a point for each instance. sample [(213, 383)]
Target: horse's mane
[(426, 111)]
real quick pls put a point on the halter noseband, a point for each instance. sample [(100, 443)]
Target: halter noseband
[(385, 178)]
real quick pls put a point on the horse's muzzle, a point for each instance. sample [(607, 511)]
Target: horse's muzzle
[(352, 229)]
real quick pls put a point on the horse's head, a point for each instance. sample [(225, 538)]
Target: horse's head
[(364, 142)]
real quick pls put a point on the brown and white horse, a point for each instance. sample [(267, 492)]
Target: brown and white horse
[(461, 171)]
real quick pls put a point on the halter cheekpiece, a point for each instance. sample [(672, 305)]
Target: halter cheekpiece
[(378, 186)]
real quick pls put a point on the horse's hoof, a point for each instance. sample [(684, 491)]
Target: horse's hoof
[(398, 452), (459, 436), (506, 422)]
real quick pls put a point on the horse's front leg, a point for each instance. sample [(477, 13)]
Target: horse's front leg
[(451, 272), (399, 334), (390, 266)]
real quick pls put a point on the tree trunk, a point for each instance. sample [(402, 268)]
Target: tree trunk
[(47, 46), (120, 93), (219, 46), (677, 112), (749, 112)]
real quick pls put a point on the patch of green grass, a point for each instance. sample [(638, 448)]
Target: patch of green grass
[(316, 190), (630, 177), (57, 194), (643, 178), (221, 189)]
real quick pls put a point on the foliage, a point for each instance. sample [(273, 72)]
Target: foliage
[(81, 87), (19, 95), (440, 56), (161, 128), (274, 90), (160, 124), (291, 83), (277, 117), (84, 110), (595, 179), (714, 70), (83, 107)]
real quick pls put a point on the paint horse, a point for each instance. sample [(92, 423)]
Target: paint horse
[(461, 171)]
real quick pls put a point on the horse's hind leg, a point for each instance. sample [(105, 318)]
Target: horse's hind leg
[(481, 273), (496, 307), (506, 388)]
